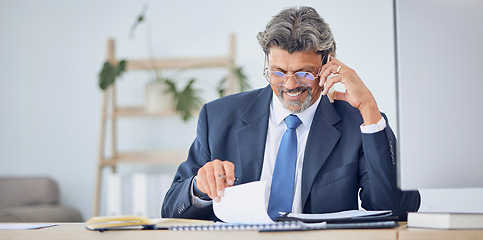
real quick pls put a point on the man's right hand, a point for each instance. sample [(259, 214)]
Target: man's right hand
[(214, 177)]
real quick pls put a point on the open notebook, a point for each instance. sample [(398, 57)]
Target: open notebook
[(139, 222)]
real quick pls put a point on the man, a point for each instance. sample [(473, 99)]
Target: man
[(317, 156)]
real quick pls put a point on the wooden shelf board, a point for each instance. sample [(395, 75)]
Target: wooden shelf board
[(164, 157), (140, 112), (173, 63)]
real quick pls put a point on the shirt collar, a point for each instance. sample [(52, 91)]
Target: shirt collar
[(280, 113)]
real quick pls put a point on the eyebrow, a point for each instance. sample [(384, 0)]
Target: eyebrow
[(306, 68)]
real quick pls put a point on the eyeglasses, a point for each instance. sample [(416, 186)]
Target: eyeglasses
[(278, 78)]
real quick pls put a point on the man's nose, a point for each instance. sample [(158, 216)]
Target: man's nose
[(290, 83)]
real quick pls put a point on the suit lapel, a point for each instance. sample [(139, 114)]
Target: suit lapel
[(252, 137), (322, 139)]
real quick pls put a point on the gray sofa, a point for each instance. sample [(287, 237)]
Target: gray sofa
[(33, 199)]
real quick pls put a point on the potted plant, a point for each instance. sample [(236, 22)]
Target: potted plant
[(162, 93)]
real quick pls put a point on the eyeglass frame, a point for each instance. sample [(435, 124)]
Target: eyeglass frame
[(267, 76)]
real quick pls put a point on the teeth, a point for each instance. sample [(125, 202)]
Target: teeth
[(294, 94)]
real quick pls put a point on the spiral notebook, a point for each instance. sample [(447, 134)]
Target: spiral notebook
[(264, 227), (287, 226)]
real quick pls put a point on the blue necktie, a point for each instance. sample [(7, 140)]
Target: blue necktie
[(281, 192)]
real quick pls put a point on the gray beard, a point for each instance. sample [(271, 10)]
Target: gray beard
[(297, 103)]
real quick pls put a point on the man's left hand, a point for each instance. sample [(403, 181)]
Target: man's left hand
[(357, 94)]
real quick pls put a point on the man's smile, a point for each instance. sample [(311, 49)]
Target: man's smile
[(294, 94)]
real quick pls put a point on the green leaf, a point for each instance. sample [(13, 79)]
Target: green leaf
[(221, 87), (242, 81), (141, 17), (171, 86), (109, 73), (187, 100)]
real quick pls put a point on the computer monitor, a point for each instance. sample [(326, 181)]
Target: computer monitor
[(439, 64)]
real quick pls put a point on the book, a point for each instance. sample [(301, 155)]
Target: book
[(138, 222), (445, 220)]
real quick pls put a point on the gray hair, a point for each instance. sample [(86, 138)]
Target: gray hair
[(298, 29)]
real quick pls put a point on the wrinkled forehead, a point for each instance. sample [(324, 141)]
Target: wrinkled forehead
[(276, 52), (293, 62)]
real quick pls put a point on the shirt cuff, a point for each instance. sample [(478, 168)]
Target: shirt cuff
[(374, 128), (198, 202)]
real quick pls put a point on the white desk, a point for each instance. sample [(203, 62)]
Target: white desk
[(77, 231), (74, 231)]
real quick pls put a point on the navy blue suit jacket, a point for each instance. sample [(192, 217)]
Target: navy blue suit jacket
[(339, 159)]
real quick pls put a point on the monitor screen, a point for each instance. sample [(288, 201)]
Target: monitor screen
[(439, 64)]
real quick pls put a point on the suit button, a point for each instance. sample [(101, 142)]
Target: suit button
[(181, 208)]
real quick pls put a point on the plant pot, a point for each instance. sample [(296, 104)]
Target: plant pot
[(157, 98)]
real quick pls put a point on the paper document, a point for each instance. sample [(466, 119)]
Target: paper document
[(244, 203), (24, 226), (340, 215)]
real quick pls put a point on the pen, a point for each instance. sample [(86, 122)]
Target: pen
[(223, 176)]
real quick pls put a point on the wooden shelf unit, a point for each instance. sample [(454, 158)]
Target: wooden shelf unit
[(111, 111)]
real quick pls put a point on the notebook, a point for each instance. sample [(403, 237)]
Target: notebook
[(287, 226), (138, 222), (350, 216), (262, 227)]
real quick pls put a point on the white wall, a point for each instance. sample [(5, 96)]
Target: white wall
[(51, 52)]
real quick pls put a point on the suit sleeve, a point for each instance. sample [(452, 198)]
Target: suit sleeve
[(177, 202), (379, 190)]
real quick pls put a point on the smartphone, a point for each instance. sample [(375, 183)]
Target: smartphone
[(331, 92)]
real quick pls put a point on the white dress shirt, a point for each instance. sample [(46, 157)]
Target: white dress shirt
[(276, 129)]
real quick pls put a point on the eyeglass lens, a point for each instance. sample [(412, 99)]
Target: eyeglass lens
[(302, 78)]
